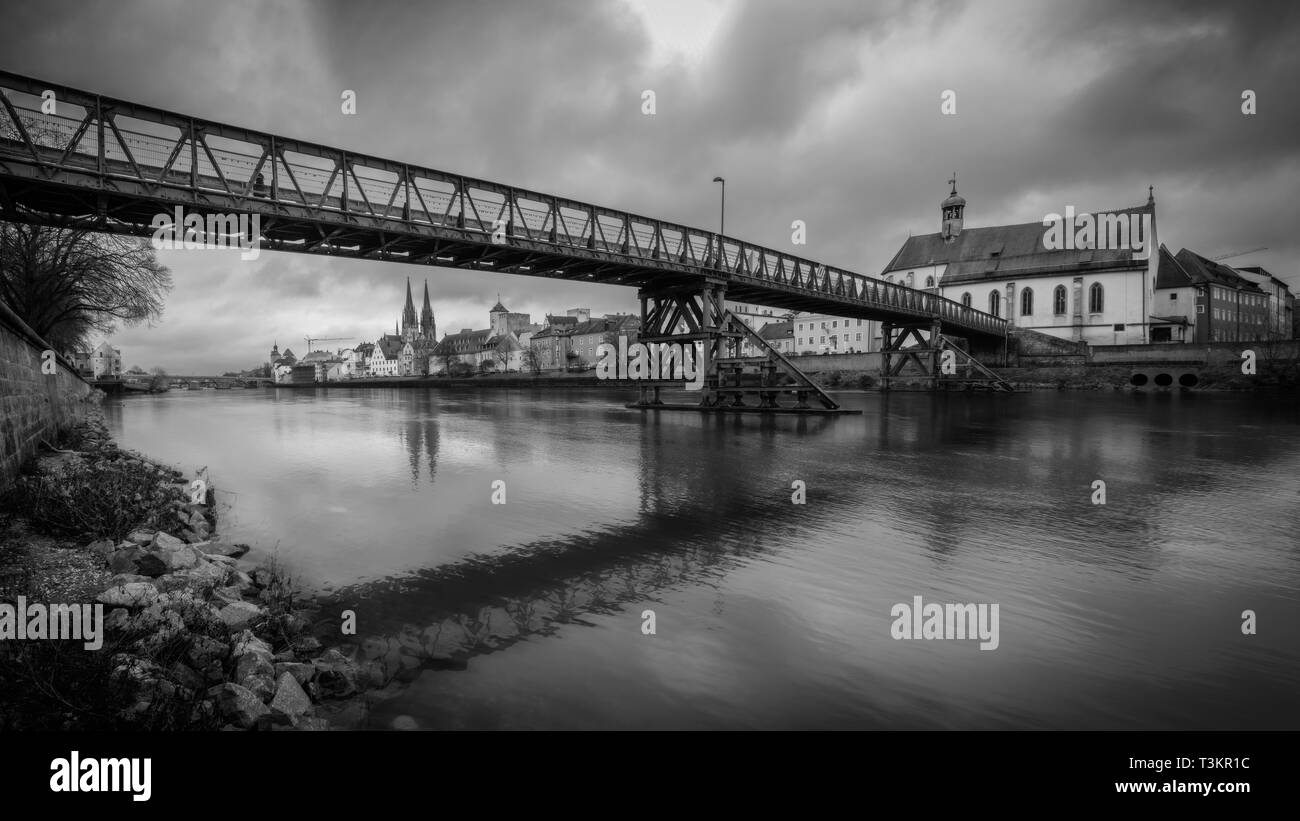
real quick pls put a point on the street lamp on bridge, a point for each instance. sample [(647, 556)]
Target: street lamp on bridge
[(722, 222)]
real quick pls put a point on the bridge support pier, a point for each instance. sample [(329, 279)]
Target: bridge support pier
[(694, 320), (926, 355)]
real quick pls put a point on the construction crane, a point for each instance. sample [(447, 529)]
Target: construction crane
[(311, 339), (1237, 254)]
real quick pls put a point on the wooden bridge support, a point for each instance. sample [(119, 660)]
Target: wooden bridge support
[(927, 357), (695, 316)]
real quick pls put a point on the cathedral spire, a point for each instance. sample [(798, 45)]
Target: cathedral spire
[(409, 327), (426, 316)]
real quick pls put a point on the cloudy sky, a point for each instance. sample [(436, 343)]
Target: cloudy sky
[(826, 112)]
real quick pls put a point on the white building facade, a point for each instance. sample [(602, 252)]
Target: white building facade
[(1103, 295)]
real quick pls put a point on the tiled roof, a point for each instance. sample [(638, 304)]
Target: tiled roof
[(464, 342), (389, 346), (1004, 250), (1198, 269), (777, 330), (1261, 272)]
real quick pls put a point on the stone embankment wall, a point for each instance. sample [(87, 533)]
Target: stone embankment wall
[(33, 405)]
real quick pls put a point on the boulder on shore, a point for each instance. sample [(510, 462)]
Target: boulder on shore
[(290, 701), (123, 561), (135, 594), (166, 541), (240, 615), (151, 565), (237, 705)]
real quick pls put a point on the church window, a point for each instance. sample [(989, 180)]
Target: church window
[(1058, 300), (1096, 298)]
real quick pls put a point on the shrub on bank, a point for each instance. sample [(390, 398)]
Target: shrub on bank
[(89, 500)]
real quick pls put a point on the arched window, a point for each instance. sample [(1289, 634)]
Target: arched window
[(929, 281), (1058, 300), (911, 279), (1096, 299), (1027, 302), (995, 303), (965, 299)]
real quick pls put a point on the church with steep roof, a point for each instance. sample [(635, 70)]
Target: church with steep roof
[(1096, 292), (405, 352)]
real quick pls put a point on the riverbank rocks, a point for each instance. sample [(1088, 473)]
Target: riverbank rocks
[(186, 676), (290, 701), (246, 642), (151, 565), (182, 558), (336, 676), (102, 548), (240, 615), (206, 575), (117, 619), (205, 650), (227, 595), (123, 561), (135, 594), (302, 673), (165, 541), (181, 616), (306, 645), (237, 705), (216, 548), (126, 578)]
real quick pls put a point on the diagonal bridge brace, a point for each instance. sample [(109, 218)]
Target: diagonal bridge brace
[(697, 317)]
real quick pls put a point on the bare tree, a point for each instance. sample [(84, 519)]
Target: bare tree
[(67, 283), (501, 355), (533, 361), (444, 354)]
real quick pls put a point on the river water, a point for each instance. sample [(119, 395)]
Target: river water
[(768, 613)]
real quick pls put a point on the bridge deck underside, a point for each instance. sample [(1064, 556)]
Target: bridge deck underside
[(446, 246)]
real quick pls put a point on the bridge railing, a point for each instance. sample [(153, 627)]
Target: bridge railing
[(182, 159)]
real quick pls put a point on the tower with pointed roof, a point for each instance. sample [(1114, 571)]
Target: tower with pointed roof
[(953, 209), (428, 330), (410, 326), (498, 316)]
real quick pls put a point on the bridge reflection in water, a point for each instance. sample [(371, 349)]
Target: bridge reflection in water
[(442, 617), (773, 614), (700, 520)]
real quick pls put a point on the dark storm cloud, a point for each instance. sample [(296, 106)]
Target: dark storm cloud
[(826, 112)]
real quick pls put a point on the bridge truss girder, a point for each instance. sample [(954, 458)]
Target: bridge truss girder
[(112, 165)]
